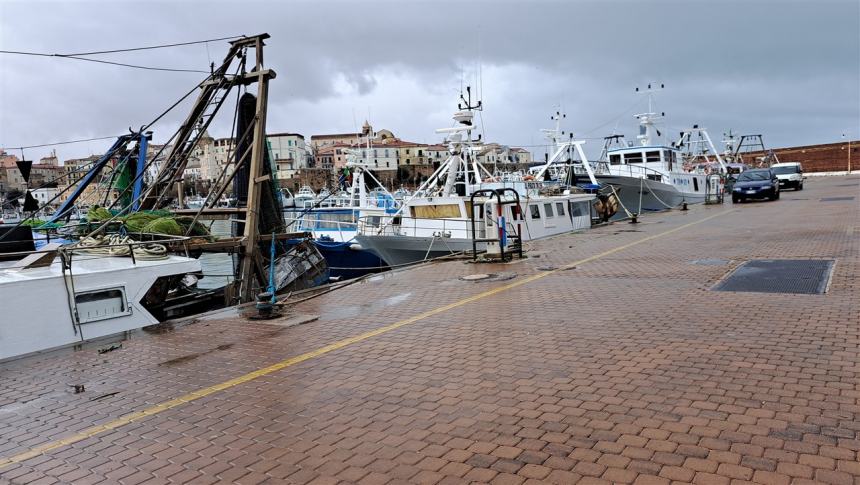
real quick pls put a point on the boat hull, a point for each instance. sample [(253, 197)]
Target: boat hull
[(405, 250), (656, 196), (349, 260), (29, 325)]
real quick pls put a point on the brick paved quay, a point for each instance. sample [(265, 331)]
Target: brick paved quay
[(604, 358)]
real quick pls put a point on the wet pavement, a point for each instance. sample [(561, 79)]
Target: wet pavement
[(604, 357)]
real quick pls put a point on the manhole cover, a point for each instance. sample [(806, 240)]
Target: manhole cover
[(835, 199), (710, 262), (475, 277), (489, 277), (805, 276)]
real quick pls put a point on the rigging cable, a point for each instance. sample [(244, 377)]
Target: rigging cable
[(159, 46), (80, 55), (122, 64)]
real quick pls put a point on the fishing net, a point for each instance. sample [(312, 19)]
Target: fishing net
[(163, 225)]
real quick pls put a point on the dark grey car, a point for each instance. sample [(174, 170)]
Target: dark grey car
[(759, 183)]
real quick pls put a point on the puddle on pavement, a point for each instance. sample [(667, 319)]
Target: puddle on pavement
[(347, 311)]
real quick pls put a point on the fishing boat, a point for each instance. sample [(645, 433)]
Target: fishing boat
[(401, 194), (287, 199), (305, 197), (96, 293), (194, 202), (462, 205), (333, 222), (653, 176)]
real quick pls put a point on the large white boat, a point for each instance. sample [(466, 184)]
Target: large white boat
[(438, 220), (652, 176), (91, 296)]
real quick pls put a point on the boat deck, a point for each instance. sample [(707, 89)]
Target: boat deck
[(604, 357)]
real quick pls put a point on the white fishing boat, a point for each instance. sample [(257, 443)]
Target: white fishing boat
[(194, 202), (439, 221), (653, 176), (10, 217), (401, 194), (91, 295), (305, 197)]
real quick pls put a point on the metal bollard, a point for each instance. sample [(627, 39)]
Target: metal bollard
[(264, 305)]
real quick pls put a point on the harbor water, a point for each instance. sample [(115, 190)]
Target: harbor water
[(217, 267)]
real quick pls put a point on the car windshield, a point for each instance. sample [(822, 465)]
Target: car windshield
[(785, 170), (753, 175)]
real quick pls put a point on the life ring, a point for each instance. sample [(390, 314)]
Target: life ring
[(528, 177)]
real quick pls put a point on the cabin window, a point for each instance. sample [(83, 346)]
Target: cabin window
[(547, 208), (651, 157), (670, 159), (615, 159), (696, 184), (535, 211), (440, 211), (635, 157), (92, 306), (559, 208)]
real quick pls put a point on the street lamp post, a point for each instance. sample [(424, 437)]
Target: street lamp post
[(849, 152)]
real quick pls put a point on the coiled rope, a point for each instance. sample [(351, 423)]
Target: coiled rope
[(117, 245)]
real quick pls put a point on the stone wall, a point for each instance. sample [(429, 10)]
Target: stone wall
[(831, 157)]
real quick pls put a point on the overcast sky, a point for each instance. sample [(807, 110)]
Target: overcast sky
[(789, 70)]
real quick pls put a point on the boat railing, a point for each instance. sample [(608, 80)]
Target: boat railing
[(639, 171), (417, 227), (312, 224), (145, 247)]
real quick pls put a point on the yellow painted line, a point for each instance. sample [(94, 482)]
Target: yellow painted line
[(193, 396)]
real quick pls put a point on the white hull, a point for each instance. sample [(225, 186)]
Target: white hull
[(106, 294), (656, 196), (404, 250), (418, 239)]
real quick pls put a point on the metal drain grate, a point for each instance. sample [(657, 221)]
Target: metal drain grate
[(806, 276), (835, 199)]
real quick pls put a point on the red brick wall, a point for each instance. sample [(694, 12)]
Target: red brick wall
[(832, 157)]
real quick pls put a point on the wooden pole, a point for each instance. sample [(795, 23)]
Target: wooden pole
[(248, 271)]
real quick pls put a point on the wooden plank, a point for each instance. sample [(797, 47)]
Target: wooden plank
[(40, 259)]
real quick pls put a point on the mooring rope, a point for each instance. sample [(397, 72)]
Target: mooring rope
[(117, 245)]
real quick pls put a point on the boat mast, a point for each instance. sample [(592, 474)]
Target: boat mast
[(562, 147), (461, 146), (646, 120)]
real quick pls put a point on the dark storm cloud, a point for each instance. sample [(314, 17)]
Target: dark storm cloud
[(789, 70)]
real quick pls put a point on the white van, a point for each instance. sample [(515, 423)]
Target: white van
[(790, 174)]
